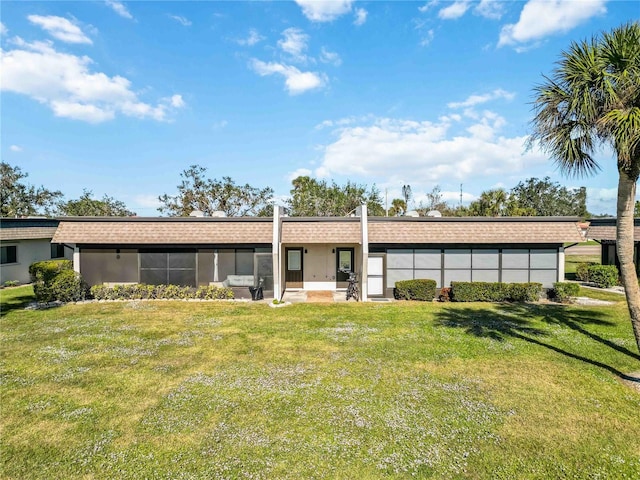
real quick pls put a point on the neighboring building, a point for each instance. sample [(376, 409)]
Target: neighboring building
[(603, 230), (311, 253), (24, 241)]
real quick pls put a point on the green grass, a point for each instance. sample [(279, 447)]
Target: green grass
[(238, 390), (571, 263)]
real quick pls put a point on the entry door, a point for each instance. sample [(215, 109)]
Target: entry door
[(293, 268), (344, 261)]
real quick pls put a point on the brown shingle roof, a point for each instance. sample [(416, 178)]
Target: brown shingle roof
[(26, 233), (320, 230), (165, 231), (602, 232), (477, 230)]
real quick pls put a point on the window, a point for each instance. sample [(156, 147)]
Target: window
[(9, 254), (168, 268), (57, 250)]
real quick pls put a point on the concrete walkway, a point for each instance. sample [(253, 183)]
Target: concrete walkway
[(322, 296)]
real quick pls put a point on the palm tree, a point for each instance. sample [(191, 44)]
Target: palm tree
[(593, 99)]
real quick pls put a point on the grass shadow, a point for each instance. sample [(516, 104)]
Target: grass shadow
[(14, 303), (512, 321)]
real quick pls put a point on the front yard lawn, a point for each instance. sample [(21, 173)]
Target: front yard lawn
[(186, 390)]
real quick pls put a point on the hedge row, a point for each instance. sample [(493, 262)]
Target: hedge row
[(55, 280), (604, 276), (144, 292), (495, 292), (420, 289)]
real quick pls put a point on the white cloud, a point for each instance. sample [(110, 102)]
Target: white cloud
[(3, 30), (427, 38), (15, 148), (296, 82), (426, 152), (455, 10), (146, 201), (119, 8), (66, 84), (474, 100), (324, 10), (185, 22), (330, 57), (490, 9), (558, 15), (219, 125), (428, 6), (253, 38), (361, 16), (294, 43), (60, 28)]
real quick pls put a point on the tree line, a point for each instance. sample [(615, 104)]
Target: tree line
[(309, 197)]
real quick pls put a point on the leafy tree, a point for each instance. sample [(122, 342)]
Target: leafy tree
[(398, 208), (591, 99), (18, 199), (546, 198), (196, 192), (434, 201), (85, 206), (492, 203), (314, 198), (636, 209)]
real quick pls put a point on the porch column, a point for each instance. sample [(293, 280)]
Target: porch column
[(364, 240), (561, 264), (275, 255), (76, 258)]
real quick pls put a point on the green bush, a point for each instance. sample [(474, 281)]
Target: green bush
[(145, 292), (495, 292), (419, 289), (582, 271), (563, 291), (604, 276), (68, 286), (43, 274)]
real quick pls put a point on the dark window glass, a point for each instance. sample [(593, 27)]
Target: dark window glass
[(153, 260), (182, 260), (182, 277), (57, 250), (153, 277), (9, 254)]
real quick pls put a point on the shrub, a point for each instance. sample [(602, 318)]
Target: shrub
[(43, 274), (419, 289), (523, 292), (582, 271), (11, 283), (563, 291), (495, 292), (604, 276), (144, 292), (68, 286)]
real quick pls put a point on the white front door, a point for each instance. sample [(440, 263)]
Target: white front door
[(375, 275)]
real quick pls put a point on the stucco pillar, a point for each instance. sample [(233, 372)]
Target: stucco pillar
[(76, 258), (364, 240), (275, 249), (561, 264)]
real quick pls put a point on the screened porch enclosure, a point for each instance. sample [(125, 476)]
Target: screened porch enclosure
[(188, 266)]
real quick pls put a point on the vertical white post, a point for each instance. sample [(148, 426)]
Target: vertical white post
[(275, 249), (561, 264), (76, 258), (364, 240)]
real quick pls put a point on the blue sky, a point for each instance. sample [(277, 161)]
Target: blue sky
[(121, 97)]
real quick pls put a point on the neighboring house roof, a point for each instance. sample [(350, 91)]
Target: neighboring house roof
[(605, 229), (474, 230), (300, 230), (164, 231), (14, 229)]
